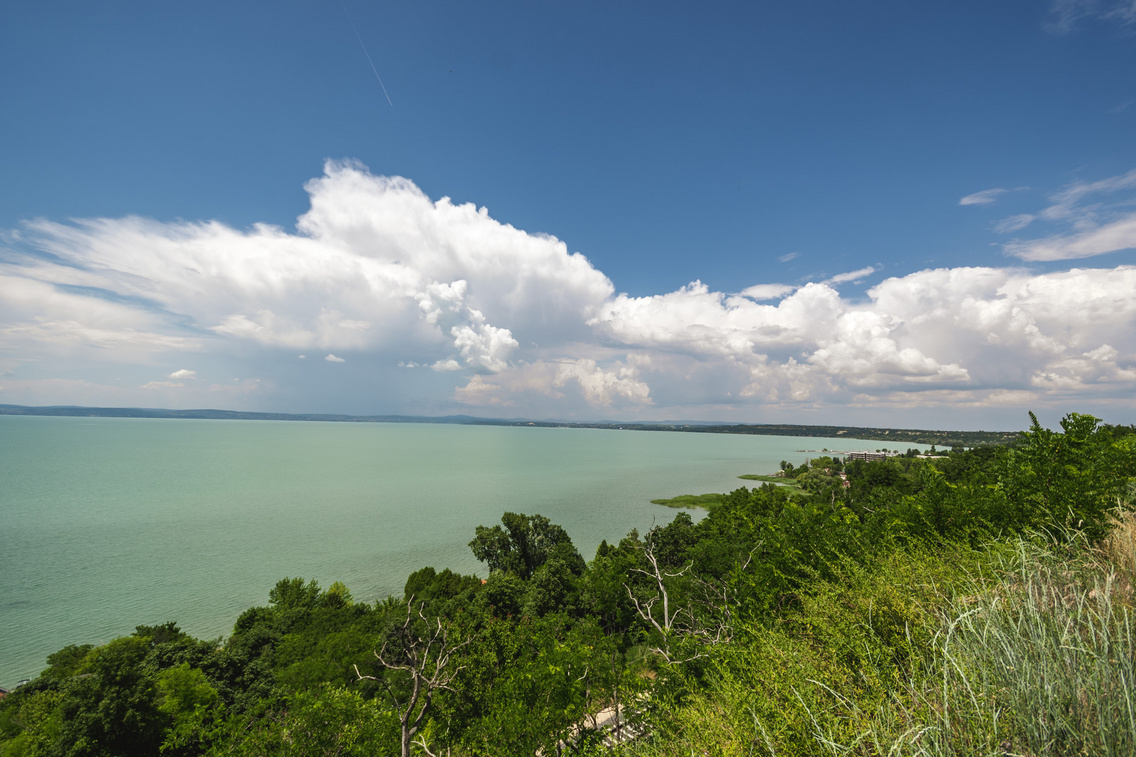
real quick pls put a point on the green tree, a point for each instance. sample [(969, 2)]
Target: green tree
[(524, 544), (294, 594), (193, 707), (110, 706), (602, 593), (503, 595), (337, 595), (440, 591), (1077, 478), (325, 722), (36, 727), (552, 672), (554, 587)]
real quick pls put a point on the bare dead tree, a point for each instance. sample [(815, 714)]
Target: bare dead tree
[(424, 650), (714, 625), (646, 608)]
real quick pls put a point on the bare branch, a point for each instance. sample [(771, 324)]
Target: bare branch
[(681, 622), (425, 748), (425, 650)]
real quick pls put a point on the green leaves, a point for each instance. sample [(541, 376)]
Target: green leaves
[(555, 671), (1075, 479), (294, 594), (524, 544)]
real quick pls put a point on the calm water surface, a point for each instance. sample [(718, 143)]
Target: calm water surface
[(109, 523)]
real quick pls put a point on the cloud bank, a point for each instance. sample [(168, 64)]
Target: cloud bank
[(378, 277)]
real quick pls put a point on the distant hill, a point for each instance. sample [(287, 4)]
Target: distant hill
[(892, 436), (226, 415)]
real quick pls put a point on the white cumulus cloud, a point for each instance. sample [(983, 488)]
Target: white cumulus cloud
[(767, 291), (598, 385), (366, 254), (509, 318)]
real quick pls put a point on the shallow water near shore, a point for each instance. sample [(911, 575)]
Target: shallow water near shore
[(107, 523)]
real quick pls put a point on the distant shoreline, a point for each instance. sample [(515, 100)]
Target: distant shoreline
[(892, 435)]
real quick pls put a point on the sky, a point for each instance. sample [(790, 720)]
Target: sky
[(892, 214)]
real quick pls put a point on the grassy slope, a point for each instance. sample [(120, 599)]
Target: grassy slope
[(1018, 648)]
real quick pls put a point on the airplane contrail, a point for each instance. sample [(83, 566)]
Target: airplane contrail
[(356, 30)]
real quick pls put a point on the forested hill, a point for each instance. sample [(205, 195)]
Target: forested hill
[(897, 435), (78, 411)]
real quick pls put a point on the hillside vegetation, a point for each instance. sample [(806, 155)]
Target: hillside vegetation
[(974, 604)]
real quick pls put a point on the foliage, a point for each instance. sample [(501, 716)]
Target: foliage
[(1037, 662), (877, 610), (525, 544), (325, 722), (1074, 479)]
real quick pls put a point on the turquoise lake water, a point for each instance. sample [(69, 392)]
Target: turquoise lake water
[(109, 523)]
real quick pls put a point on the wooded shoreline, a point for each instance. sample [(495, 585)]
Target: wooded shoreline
[(849, 618), (940, 438)]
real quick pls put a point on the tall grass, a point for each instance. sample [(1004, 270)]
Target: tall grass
[(1043, 663), (1027, 649), (774, 690)]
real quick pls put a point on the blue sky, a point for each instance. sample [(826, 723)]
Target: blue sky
[(879, 213)]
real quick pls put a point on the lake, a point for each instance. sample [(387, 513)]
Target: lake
[(108, 523)]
